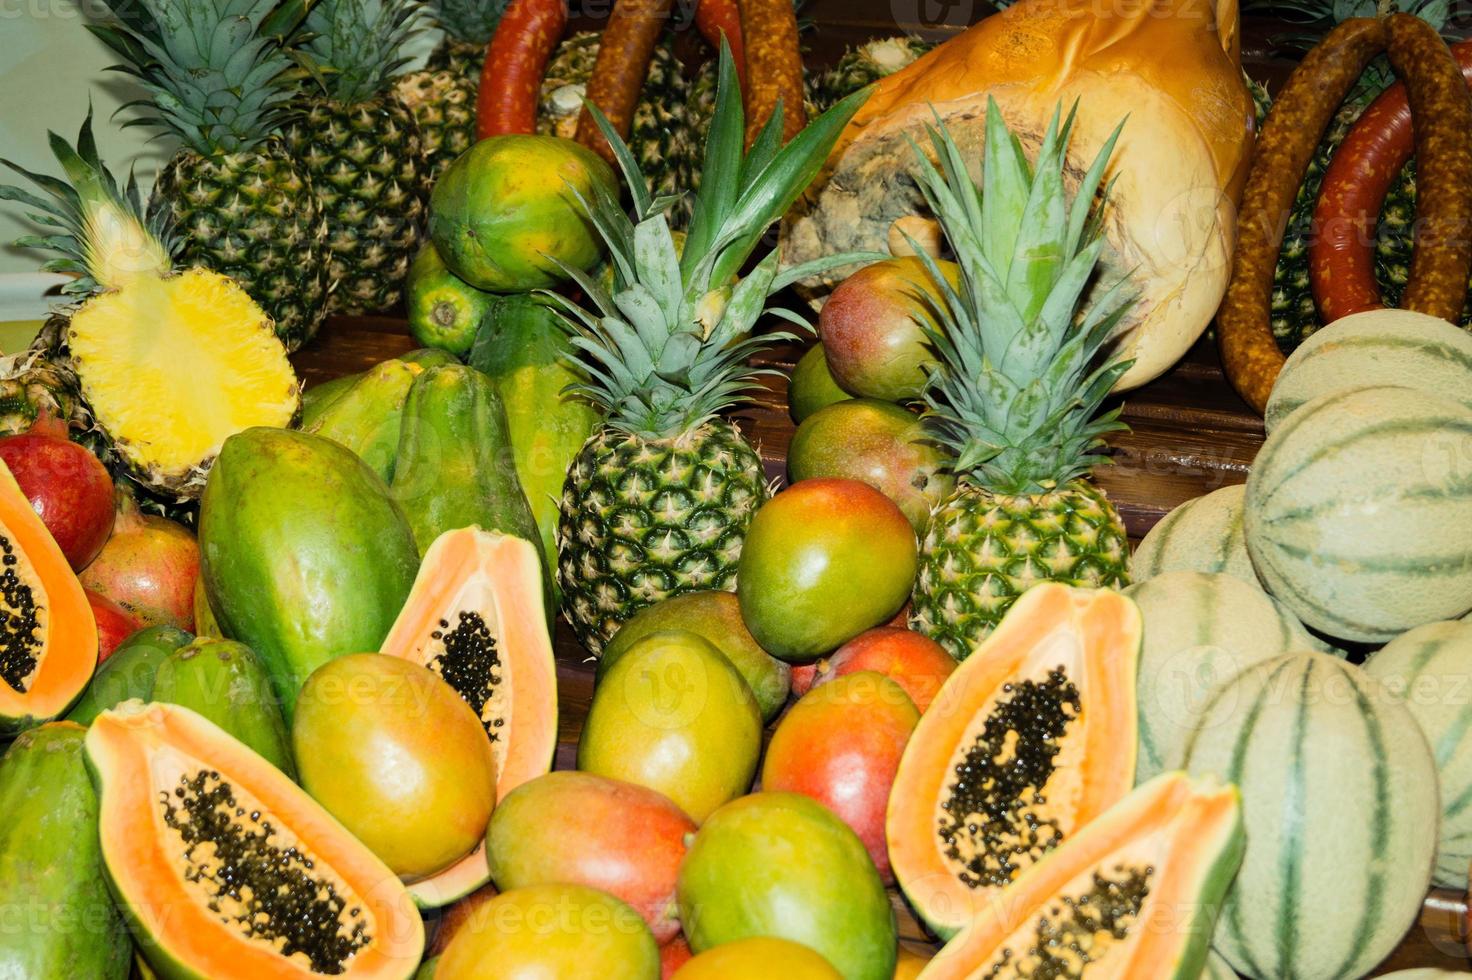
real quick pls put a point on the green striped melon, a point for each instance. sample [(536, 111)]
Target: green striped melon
[(1201, 535), (1359, 512), (1340, 807), (1217, 968), (1201, 630), (1377, 347), (1429, 670)]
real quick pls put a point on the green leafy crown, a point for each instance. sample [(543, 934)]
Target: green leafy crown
[(101, 232), (1018, 386), (472, 21), (216, 72), (668, 346), (354, 47)]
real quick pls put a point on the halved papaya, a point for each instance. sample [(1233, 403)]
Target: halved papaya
[(1133, 894), (475, 617), (223, 867), (1029, 739), (48, 638)]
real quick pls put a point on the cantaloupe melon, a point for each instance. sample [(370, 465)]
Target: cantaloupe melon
[(1202, 535), (1377, 347), (1429, 670), (1359, 512), (1340, 806), (1201, 630)]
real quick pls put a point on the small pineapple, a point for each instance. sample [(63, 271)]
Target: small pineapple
[(242, 205), (361, 147), (862, 65), (658, 500), (169, 364), (1018, 386), (660, 134), (468, 26)]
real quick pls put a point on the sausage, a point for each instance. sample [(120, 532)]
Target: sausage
[(773, 67), (1294, 126), (1441, 115), (624, 54), (716, 19), (516, 60)]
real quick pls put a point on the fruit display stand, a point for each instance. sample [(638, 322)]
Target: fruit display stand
[(1189, 434)]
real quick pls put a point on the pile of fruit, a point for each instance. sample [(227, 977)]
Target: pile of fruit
[(313, 728)]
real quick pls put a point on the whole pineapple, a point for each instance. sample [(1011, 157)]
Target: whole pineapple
[(443, 104), (660, 135), (468, 26), (1018, 386), (361, 147), (658, 500), (241, 204)]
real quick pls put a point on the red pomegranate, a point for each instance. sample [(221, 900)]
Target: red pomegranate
[(114, 624), (149, 567), (68, 487)]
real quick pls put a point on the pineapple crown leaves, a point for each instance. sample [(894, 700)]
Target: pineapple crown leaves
[(351, 48), (472, 21), (216, 70), (102, 234), (1018, 387), (668, 347)]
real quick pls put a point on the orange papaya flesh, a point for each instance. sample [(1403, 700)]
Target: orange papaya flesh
[(225, 867), (475, 617), (1028, 740), (48, 644), (1135, 893)]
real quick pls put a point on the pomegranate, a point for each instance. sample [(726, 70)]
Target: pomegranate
[(69, 488), (114, 624), (149, 567)]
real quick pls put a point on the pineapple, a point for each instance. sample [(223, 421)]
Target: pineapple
[(169, 364), (1018, 386), (657, 502), (862, 65), (468, 26), (242, 205), (660, 134), (361, 146), (34, 386), (443, 105)]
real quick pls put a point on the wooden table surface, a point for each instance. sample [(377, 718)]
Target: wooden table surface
[(1189, 434)]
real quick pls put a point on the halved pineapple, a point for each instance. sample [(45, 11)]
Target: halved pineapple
[(172, 367)]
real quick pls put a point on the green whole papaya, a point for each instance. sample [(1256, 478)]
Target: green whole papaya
[(304, 552), (366, 418), (60, 922), (226, 683), (319, 397), (523, 347), (128, 673)]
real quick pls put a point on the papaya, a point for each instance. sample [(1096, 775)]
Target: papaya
[(524, 348), (129, 672), (49, 649), (1135, 893), (60, 922), (317, 398), (305, 554), (1029, 739), (205, 623), (366, 418), (225, 682), (444, 310), (475, 618), (223, 867)]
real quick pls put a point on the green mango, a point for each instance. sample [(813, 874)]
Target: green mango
[(128, 673), (524, 348), (226, 683), (61, 924), (366, 418), (304, 552)]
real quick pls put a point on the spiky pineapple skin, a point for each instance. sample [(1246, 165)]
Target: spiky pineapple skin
[(367, 169), (253, 216), (465, 58), (646, 519), (983, 549), (33, 384), (443, 104), (863, 65)]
